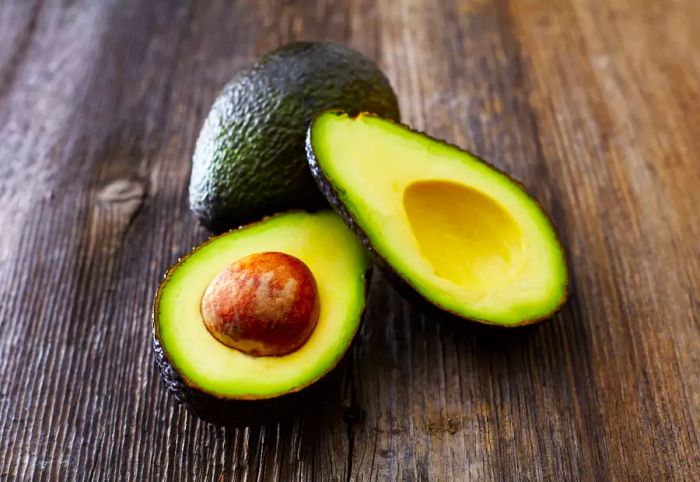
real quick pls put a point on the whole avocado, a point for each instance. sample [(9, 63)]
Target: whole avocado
[(249, 160)]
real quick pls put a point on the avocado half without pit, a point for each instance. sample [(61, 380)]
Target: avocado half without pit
[(252, 317), (451, 231)]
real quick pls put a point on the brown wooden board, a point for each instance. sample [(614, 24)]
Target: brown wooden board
[(594, 105)]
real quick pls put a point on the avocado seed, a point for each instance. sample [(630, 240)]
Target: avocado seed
[(265, 304)]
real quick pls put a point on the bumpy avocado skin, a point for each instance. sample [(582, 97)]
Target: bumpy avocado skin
[(249, 160), (407, 291)]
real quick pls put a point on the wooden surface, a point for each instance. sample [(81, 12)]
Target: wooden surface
[(594, 105)]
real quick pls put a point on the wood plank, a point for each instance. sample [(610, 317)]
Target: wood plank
[(593, 106)]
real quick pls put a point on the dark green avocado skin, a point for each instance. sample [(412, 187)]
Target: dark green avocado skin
[(249, 159)]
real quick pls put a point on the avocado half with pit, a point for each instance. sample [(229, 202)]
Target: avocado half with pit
[(448, 228), (252, 317)]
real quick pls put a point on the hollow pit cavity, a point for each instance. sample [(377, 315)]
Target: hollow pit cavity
[(466, 236)]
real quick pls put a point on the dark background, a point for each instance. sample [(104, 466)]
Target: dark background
[(594, 105)]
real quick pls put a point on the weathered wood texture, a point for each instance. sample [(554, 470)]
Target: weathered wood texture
[(594, 105)]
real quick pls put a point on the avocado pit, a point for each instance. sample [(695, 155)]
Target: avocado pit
[(265, 304)]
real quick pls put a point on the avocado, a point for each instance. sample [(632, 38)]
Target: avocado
[(248, 321), (452, 231), (249, 158)]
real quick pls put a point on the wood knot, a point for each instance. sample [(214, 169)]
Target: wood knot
[(353, 415), (122, 191), (444, 425)]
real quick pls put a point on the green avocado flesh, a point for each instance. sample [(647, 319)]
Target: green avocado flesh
[(249, 158), (461, 234), (338, 263)]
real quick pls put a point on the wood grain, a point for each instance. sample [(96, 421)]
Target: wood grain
[(595, 106)]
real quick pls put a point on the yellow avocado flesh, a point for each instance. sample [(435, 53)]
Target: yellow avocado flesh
[(338, 263), (465, 236)]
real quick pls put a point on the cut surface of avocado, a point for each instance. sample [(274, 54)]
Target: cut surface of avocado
[(338, 263), (463, 235)]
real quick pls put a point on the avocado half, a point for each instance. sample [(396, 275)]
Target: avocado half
[(449, 229), (225, 386), (249, 159)]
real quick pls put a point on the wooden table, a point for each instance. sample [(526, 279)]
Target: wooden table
[(594, 105)]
